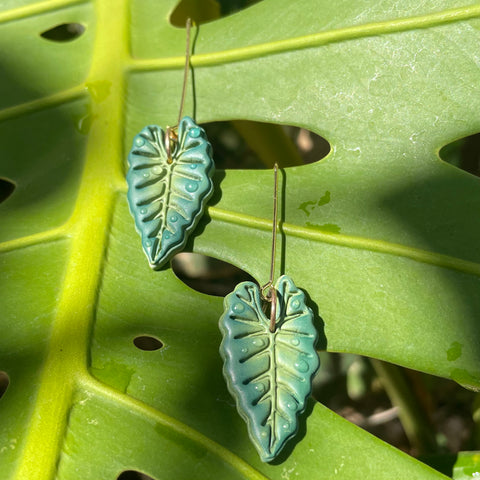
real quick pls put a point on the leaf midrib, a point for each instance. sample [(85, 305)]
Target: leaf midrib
[(428, 20), (306, 233), (66, 360), (350, 241), (311, 40), (146, 411), (36, 9)]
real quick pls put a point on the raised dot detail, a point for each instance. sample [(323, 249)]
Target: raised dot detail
[(285, 425), (295, 303), (260, 387), (301, 366), (146, 175), (139, 141), (173, 218), (295, 342), (194, 132), (157, 170), (191, 187), (148, 243), (166, 235), (244, 350), (143, 211), (193, 166), (238, 308), (291, 405)]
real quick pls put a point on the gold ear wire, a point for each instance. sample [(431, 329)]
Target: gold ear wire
[(188, 27), (170, 134), (271, 294)]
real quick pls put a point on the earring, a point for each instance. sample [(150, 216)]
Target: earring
[(169, 181), (269, 362)]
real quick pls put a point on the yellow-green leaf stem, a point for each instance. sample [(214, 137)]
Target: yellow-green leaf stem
[(351, 241), (44, 102), (36, 9), (314, 40), (136, 406), (88, 229)]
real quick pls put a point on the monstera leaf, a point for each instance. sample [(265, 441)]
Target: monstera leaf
[(382, 234), (269, 373), (167, 192)]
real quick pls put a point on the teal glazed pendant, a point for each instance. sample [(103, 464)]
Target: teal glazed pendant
[(269, 373), (168, 191)]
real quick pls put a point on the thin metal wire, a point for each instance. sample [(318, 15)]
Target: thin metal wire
[(271, 295), (273, 309), (171, 132), (186, 69), (168, 146)]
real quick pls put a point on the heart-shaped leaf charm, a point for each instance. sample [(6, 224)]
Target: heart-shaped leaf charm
[(167, 193), (269, 373)]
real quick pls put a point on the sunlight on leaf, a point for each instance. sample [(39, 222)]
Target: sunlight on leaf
[(389, 258)]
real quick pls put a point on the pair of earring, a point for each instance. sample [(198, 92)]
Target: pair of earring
[(268, 344)]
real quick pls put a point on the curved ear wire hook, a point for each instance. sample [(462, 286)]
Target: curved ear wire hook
[(271, 294), (165, 202), (170, 134), (272, 360), (188, 27)]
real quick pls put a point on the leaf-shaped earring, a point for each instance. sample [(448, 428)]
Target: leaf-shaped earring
[(169, 181), (269, 361)]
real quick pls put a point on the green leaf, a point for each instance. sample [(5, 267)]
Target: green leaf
[(467, 466), (269, 373), (386, 83), (168, 190)]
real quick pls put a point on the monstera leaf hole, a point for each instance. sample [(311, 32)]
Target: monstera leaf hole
[(208, 275), (6, 189), (464, 153), (203, 11), (65, 32), (361, 390), (348, 385), (4, 382), (244, 144), (134, 475), (147, 343)]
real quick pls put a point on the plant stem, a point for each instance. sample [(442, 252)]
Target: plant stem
[(414, 419)]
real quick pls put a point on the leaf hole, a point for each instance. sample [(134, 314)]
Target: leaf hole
[(244, 144), (356, 388), (4, 383), (463, 153), (208, 275), (134, 475), (203, 11), (65, 32), (147, 343), (6, 189)]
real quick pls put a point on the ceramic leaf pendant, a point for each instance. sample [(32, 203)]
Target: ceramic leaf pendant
[(269, 373), (167, 191), (169, 181)]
